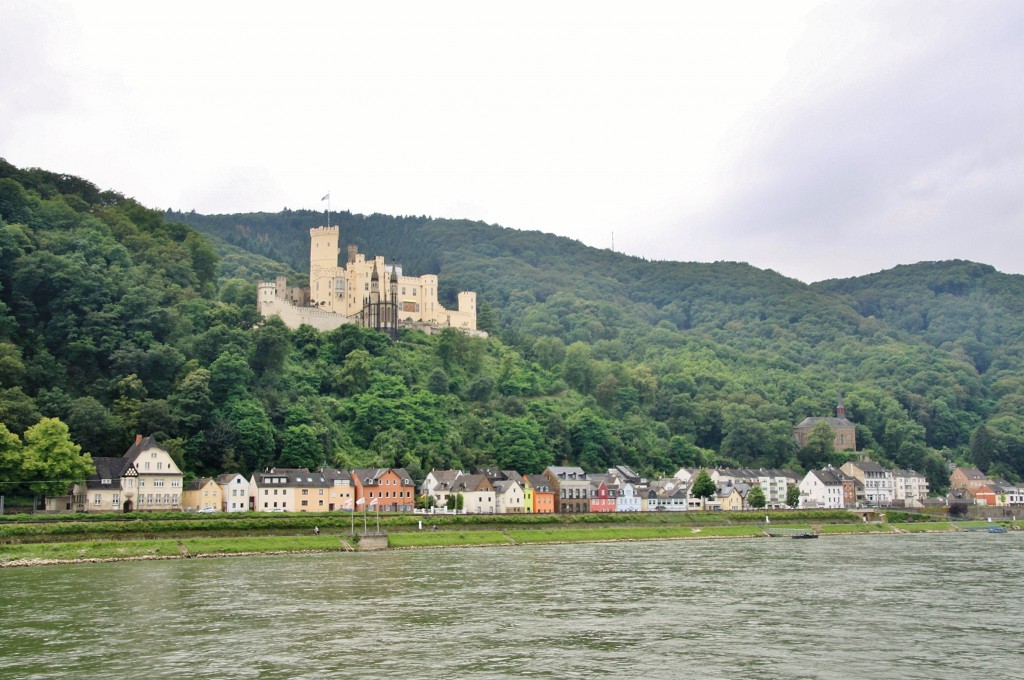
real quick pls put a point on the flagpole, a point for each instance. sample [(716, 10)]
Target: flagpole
[(327, 198)]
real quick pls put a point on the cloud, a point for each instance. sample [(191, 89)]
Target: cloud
[(908, 147)]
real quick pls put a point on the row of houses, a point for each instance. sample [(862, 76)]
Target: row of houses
[(972, 486), (146, 479), (859, 484)]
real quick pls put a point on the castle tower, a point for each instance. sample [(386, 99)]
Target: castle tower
[(323, 268)]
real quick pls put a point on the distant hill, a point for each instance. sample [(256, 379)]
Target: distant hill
[(118, 319)]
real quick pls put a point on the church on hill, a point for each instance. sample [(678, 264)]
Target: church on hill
[(370, 293), (844, 430)]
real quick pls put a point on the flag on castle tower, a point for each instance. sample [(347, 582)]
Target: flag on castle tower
[(326, 196)]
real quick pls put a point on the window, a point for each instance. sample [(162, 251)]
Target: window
[(98, 499), (142, 483), (305, 503), (158, 482), (321, 492), (152, 455), (147, 465), (117, 498), (305, 492), (175, 482), (159, 465)]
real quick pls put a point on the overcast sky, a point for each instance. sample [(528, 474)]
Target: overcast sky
[(820, 140)]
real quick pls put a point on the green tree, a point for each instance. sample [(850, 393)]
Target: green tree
[(301, 448), (756, 499), (793, 495), (353, 377), (703, 487), (52, 462), (983, 447), (820, 448), (11, 458)]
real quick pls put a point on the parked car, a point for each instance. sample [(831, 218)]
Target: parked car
[(207, 510)]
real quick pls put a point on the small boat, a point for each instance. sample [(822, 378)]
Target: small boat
[(997, 530), (805, 535)]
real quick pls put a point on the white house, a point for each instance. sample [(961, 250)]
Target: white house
[(508, 497), (626, 498), (821, 489), (234, 492)]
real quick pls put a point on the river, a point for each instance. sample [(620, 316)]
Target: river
[(879, 606)]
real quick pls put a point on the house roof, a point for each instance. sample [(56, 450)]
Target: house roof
[(503, 485), (973, 473), (143, 444), (568, 473), (444, 478), (827, 477), (539, 483), (472, 483), (294, 477), (197, 484), (809, 423), (228, 477), (109, 469)]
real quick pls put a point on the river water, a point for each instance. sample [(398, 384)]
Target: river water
[(891, 606)]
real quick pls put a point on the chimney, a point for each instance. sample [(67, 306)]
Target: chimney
[(840, 409), (138, 438)]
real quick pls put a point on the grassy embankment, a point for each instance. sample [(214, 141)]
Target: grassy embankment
[(171, 536)]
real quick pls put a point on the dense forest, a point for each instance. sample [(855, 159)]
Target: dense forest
[(117, 319)]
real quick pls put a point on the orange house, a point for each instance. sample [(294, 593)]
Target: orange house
[(384, 489), (543, 495), (984, 495)]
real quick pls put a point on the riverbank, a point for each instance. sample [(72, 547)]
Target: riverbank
[(113, 550)]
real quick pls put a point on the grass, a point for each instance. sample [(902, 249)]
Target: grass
[(84, 550), (446, 538), (854, 528), (922, 527), (257, 544), (629, 533)]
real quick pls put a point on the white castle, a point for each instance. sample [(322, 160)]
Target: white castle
[(353, 294)]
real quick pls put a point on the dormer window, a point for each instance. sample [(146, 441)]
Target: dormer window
[(105, 481)]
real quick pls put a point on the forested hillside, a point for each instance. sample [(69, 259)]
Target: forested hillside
[(117, 319)]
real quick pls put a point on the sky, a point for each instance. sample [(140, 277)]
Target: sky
[(818, 139)]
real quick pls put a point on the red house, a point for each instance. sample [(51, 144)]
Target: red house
[(601, 498), (384, 489)]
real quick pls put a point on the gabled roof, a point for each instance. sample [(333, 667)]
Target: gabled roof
[(471, 483), (503, 485), (444, 478), (567, 472), (107, 469), (809, 423), (197, 484), (332, 475), (973, 473), (371, 476), (294, 477), (228, 477), (539, 483), (827, 477), (143, 444)]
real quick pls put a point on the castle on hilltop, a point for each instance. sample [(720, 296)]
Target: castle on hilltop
[(364, 292)]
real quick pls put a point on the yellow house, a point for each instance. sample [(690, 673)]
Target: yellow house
[(202, 494), (299, 490), (527, 496), (144, 478), (730, 498)]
